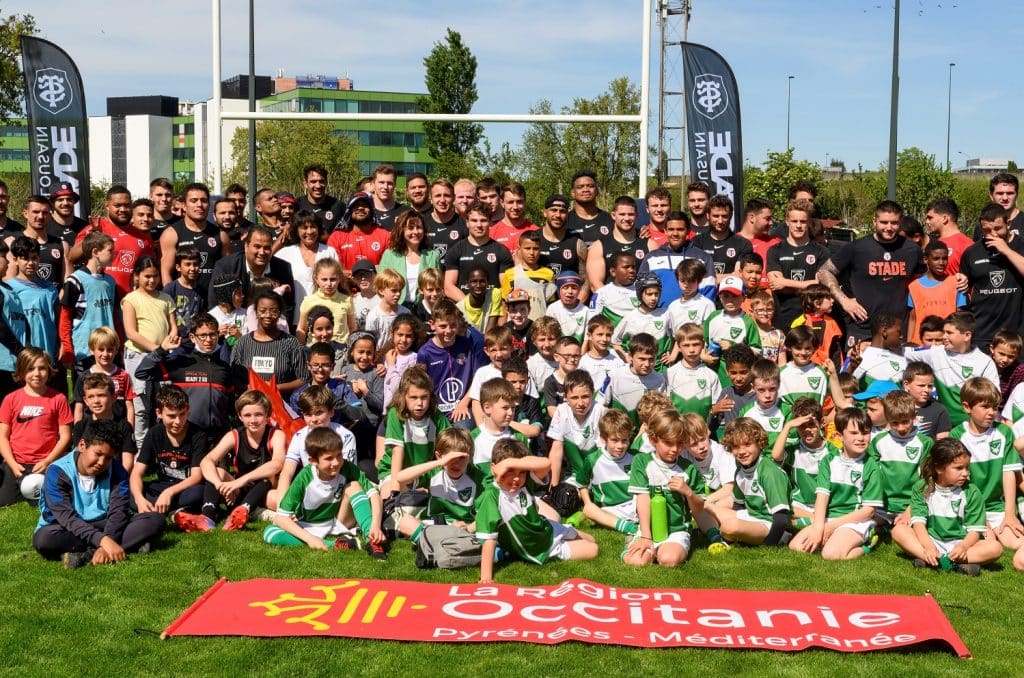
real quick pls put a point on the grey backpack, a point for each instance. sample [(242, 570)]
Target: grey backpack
[(447, 547)]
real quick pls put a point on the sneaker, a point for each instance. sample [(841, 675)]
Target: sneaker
[(718, 548), (144, 549), (236, 519), (376, 551), (75, 559), (918, 562), (970, 569), (872, 542), (192, 522), (264, 514), (343, 543)]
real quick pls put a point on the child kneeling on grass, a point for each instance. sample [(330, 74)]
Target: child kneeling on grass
[(309, 512), (85, 514), (664, 539), (507, 514), (849, 491), (947, 515)]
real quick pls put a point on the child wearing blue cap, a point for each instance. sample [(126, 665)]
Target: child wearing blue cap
[(568, 310)]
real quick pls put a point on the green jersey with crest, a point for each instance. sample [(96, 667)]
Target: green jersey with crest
[(849, 483), (579, 438), (1013, 411), (654, 323), (696, 310), (315, 502), (771, 420), (762, 489), (483, 447), (649, 474), (717, 468), (879, 364), (899, 460), (951, 371), (455, 498), (992, 455), (693, 389), (416, 437), (809, 381), (606, 477), (625, 389), (572, 320), (513, 520), (949, 513), (803, 465)]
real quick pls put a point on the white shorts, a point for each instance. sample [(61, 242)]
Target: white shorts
[(559, 547), (744, 515), (863, 529), (944, 547), (994, 518), (682, 538), (625, 510)]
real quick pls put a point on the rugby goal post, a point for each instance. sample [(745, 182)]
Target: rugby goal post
[(217, 115)]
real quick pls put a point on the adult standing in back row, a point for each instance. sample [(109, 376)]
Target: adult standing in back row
[(880, 267)]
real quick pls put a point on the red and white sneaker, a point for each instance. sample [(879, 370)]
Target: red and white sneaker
[(237, 519), (191, 522)]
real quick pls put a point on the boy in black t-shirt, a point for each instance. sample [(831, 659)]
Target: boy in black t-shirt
[(932, 419), (173, 449), (98, 397), (528, 418)]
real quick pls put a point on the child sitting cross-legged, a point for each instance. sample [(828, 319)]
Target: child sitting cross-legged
[(849, 491), (947, 515), (85, 516), (310, 512), (718, 468), (508, 515), (669, 492), (603, 477)]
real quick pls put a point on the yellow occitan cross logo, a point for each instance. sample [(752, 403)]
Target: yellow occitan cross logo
[(295, 605)]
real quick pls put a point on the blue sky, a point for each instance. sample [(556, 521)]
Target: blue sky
[(838, 50)]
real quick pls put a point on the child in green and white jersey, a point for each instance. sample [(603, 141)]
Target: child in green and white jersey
[(718, 468), (881, 360), (650, 317), (410, 428), (760, 512), (628, 384), (801, 378), (693, 386), (309, 511), (507, 514), (603, 478), (801, 456), (947, 515), (849, 490), (995, 464), (574, 428), (678, 481), (955, 362), (764, 409), (730, 325), (899, 452), (453, 482)]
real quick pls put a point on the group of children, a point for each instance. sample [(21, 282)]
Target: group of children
[(649, 417)]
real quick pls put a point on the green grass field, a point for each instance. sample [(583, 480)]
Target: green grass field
[(106, 620)]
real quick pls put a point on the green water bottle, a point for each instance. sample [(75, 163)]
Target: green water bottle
[(659, 516)]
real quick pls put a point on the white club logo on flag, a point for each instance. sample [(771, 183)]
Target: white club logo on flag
[(52, 90), (710, 96)]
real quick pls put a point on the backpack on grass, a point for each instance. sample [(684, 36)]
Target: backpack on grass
[(447, 547)]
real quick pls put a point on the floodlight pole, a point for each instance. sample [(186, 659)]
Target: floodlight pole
[(645, 93), (213, 116), (894, 106), (252, 109)]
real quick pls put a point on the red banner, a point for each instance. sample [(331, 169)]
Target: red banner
[(576, 609)]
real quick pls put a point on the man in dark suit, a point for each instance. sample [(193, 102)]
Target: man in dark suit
[(255, 261)]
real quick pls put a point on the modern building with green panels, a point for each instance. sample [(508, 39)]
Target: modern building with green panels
[(14, 148), (401, 144), (183, 148)]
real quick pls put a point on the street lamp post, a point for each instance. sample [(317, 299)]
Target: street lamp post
[(789, 97), (949, 111)]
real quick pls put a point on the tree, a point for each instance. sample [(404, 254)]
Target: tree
[(284, 147), (551, 153), (451, 83), (11, 85), (919, 179), (772, 182)]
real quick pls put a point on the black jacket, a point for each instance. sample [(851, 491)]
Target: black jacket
[(277, 269)]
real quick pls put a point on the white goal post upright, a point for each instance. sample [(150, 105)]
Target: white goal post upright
[(216, 115)]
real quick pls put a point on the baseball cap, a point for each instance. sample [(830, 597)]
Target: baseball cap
[(568, 278), (731, 283), (556, 197), (878, 389), (358, 197), (364, 266), (285, 197), (515, 296), (64, 188)]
